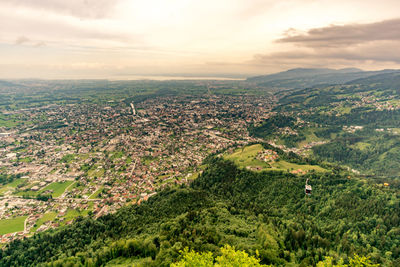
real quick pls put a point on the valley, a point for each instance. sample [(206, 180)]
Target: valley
[(163, 166)]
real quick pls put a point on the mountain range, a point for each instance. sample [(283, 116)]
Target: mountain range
[(301, 78)]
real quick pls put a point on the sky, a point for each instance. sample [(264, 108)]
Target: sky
[(119, 39)]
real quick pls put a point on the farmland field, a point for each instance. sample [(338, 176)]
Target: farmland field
[(12, 225), (57, 187)]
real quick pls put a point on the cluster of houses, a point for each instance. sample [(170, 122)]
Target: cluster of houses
[(114, 153), (352, 128), (268, 155)]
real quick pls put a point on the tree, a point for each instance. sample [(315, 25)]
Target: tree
[(229, 257), (356, 261), (192, 258)]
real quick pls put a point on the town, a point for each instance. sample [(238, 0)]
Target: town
[(91, 159), (70, 158)]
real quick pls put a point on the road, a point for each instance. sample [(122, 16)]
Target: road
[(25, 222)]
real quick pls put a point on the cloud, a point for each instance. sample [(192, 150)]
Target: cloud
[(21, 40), (39, 44), (61, 31), (341, 35), (372, 44), (84, 9), (182, 36)]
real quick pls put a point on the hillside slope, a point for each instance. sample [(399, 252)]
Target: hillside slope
[(303, 78), (265, 211)]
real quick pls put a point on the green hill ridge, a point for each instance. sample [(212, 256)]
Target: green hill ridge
[(263, 213)]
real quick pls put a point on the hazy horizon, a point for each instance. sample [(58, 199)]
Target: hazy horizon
[(55, 39)]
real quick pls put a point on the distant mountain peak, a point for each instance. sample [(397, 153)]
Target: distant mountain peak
[(350, 70), (308, 69)]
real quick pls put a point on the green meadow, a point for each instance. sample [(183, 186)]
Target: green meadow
[(247, 157), (12, 225)]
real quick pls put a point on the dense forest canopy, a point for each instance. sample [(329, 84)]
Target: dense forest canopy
[(264, 214)]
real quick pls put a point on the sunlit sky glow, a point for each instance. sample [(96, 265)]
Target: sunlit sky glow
[(124, 38)]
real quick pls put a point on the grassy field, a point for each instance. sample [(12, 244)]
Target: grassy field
[(16, 182), (11, 186), (193, 176), (77, 185), (28, 193), (73, 213), (96, 193), (246, 157), (71, 186), (57, 187), (48, 216), (284, 165), (12, 225)]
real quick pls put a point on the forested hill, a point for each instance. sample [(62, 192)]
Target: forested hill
[(302, 78), (265, 212), (356, 124)]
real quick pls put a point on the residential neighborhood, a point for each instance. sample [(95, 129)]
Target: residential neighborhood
[(91, 159)]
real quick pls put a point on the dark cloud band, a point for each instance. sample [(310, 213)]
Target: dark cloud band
[(347, 45), (351, 34)]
